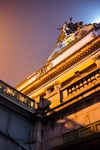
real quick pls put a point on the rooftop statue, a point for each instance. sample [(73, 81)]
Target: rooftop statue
[(68, 30), (65, 31), (70, 24), (70, 34)]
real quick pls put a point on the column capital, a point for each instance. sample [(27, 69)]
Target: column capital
[(97, 61)]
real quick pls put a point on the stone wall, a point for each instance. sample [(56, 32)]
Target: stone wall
[(69, 119)]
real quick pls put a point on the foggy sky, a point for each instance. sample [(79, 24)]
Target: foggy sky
[(27, 32)]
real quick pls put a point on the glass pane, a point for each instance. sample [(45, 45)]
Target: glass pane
[(98, 127), (70, 137), (86, 132)]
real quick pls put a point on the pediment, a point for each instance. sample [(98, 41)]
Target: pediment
[(79, 32)]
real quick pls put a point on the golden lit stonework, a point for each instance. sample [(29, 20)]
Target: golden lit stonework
[(9, 91), (74, 52)]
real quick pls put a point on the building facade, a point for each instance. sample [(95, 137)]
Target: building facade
[(66, 93)]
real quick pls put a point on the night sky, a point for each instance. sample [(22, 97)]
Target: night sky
[(27, 32)]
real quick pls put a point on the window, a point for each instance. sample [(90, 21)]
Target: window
[(82, 132)]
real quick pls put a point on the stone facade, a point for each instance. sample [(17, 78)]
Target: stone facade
[(83, 112), (61, 101)]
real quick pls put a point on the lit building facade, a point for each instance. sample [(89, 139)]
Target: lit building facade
[(67, 92)]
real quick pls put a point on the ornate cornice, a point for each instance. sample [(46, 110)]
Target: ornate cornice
[(65, 64)]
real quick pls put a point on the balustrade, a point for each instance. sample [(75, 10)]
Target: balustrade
[(82, 83), (16, 96)]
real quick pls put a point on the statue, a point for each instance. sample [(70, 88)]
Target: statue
[(96, 25), (65, 31), (70, 24)]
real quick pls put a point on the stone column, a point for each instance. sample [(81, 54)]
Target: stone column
[(37, 131), (57, 85), (97, 61), (48, 91)]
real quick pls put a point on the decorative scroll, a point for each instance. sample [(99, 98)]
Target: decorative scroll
[(41, 71), (16, 95)]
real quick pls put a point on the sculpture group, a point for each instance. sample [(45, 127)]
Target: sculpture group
[(69, 32), (65, 31)]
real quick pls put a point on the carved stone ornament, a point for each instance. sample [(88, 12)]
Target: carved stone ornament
[(16, 95), (78, 30)]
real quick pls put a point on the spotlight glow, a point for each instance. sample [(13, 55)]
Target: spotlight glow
[(97, 20)]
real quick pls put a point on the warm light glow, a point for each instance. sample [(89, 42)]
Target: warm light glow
[(78, 69), (96, 20)]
